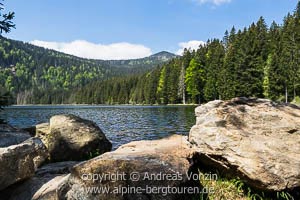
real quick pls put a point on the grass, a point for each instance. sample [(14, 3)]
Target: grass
[(296, 100), (93, 154), (236, 189)]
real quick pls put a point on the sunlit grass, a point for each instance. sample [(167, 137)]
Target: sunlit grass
[(296, 101), (235, 189)]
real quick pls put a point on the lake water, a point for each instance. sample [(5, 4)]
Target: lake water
[(121, 124)]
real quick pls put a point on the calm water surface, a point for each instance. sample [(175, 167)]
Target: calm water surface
[(121, 124)]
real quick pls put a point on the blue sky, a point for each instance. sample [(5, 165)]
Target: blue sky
[(118, 29)]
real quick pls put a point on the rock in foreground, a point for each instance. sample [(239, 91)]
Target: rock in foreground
[(69, 137), (45, 184), (18, 162), (136, 160), (255, 139)]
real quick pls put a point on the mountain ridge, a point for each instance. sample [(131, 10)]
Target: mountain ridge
[(146, 62)]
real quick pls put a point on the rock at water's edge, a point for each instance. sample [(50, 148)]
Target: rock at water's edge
[(69, 137)]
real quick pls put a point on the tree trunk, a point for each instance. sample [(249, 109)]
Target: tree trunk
[(294, 91), (286, 95), (183, 95)]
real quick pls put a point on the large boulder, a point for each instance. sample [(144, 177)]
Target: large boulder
[(165, 161), (48, 183), (69, 137), (11, 136), (255, 139), (19, 162)]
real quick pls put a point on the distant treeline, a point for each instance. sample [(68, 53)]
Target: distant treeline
[(257, 61)]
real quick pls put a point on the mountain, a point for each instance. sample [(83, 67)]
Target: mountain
[(146, 63), (28, 71), (163, 55)]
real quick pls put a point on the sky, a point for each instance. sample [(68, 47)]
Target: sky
[(125, 29)]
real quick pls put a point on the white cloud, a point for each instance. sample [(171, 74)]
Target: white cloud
[(216, 2), (192, 45), (84, 49)]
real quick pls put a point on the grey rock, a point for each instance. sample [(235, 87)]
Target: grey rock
[(19, 162), (158, 157), (69, 137), (255, 139), (48, 183)]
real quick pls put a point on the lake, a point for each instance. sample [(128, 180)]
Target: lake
[(121, 124)]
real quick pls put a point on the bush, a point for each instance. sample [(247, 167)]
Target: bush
[(296, 100), (5, 98)]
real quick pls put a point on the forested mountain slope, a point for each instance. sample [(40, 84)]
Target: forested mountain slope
[(37, 75)]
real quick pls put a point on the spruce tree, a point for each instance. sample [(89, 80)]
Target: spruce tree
[(297, 52), (6, 23), (227, 77), (289, 57), (214, 64)]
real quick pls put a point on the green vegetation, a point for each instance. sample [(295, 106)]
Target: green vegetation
[(93, 154), (254, 62), (296, 100), (6, 20), (5, 26), (258, 61), (228, 188), (35, 75)]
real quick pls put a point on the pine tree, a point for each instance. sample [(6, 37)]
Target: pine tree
[(173, 81), (6, 20), (162, 88), (274, 85), (195, 75), (226, 40), (186, 59), (289, 56), (192, 79), (214, 64), (228, 74), (297, 52)]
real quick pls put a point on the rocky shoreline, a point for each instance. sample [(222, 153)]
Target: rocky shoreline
[(254, 140)]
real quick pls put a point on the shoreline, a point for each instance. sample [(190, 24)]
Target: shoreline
[(24, 105)]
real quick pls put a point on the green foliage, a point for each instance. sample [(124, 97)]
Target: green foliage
[(235, 188), (5, 26), (214, 64), (6, 20), (266, 80), (296, 100), (284, 195), (254, 62), (36, 75), (5, 98), (193, 78), (93, 154)]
